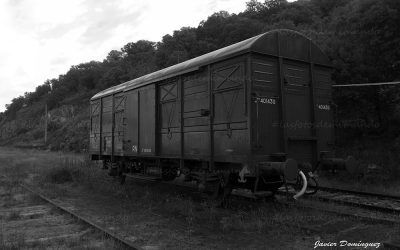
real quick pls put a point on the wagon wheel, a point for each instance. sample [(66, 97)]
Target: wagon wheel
[(169, 172), (112, 169), (104, 164)]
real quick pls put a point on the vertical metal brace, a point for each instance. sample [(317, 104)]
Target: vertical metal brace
[(181, 124), (101, 125), (157, 120), (211, 118), (248, 102), (112, 127), (282, 95), (138, 123), (247, 85), (313, 104)]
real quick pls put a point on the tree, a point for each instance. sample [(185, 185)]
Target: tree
[(16, 104), (364, 48), (114, 57), (179, 47)]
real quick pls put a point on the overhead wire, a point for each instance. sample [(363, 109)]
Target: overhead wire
[(365, 84)]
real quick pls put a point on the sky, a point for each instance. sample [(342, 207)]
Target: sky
[(41, 39)]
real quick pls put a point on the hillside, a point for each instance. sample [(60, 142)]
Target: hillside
[(360, 37)]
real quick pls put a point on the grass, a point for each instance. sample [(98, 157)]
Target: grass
[(14, 241), (378, 161), (141, 209), (152, 199), (14, 215), (47, 171)]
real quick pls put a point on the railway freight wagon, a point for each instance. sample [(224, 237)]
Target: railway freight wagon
[(248, 115)]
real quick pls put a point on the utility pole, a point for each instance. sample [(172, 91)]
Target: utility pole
[(46, 117), (45, 123)]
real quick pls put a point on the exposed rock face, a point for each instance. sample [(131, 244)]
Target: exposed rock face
[(67, 128)]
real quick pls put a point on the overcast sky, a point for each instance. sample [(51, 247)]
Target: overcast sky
[(41, 39)]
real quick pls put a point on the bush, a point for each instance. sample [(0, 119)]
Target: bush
[(38, 134), (59, 175), (21, 131), (53, 126)]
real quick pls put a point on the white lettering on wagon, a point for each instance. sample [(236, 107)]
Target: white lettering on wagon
[(146, 150), (134, 148), (324, 106), (265, 100)]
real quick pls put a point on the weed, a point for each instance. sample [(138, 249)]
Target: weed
[(14, 215), (210, 211), (2, 240), (13, 241), (59, 176), (189, 217)]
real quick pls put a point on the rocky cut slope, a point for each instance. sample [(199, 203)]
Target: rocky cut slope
[(67, 127)]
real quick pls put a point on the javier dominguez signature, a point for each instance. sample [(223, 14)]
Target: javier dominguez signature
[(345, 243)]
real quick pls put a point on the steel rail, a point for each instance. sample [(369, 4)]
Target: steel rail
[(362, 205), (80, 218), (353, 214), (371, 207), (363, 193), (391, 245)]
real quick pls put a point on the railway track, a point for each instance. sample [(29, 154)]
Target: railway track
[(363, 193), (373, 201), (86, 225), (364, 205), (336, 206), (30, 219)]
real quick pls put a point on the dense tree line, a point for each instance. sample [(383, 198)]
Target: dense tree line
[(361, 37)]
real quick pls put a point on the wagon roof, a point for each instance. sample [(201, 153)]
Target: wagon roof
[(285, 43)]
